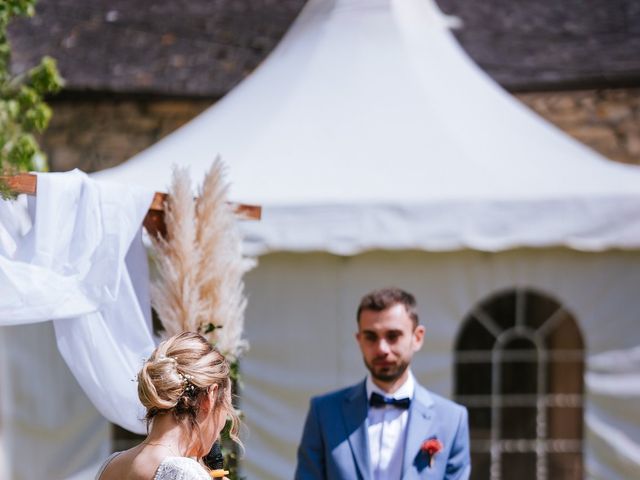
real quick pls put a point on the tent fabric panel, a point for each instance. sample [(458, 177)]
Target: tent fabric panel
[(50, 428), (582, 223)]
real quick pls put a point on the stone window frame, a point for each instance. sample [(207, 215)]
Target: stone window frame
[(531, 417)]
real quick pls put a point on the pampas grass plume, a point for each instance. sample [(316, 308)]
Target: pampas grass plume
[(200, 264)]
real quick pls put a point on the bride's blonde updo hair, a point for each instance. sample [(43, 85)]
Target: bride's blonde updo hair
[(178, 375)]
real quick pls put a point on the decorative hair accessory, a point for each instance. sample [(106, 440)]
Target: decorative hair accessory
[(162, 357), (189, 388)]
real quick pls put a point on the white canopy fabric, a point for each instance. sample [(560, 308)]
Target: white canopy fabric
[(370, 118)]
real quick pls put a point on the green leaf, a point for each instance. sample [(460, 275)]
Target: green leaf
[(28, 97), (210, 327), (45, 78), (37, 118), (23, 152)]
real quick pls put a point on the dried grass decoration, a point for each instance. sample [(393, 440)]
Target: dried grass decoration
[(200, 266)]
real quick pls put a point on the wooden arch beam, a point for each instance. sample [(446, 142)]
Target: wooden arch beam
[(153, 221)]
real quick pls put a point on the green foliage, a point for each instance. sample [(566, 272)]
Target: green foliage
[(230, 449), (231, 452), (208, 328), (23, 112)]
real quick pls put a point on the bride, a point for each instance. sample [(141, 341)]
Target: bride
[(186, 390)]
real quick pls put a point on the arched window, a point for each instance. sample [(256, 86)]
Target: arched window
[(519, 370)]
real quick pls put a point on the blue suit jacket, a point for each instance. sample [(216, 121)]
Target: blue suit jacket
[(335, 442)]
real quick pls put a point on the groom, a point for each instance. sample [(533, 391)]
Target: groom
[(387, 427)]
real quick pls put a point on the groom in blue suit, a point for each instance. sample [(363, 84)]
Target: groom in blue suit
[(387, 427)]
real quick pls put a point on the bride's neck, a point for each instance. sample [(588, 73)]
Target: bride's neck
[(165, 430)]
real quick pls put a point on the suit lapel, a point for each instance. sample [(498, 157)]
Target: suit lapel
[(419, 427), (354, 411)]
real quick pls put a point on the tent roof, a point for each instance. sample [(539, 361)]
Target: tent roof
[(368, 127)]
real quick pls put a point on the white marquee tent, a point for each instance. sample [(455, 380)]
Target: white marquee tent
[(369, 116), (382, 155)]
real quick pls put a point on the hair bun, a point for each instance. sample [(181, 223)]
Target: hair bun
[(160, 384)]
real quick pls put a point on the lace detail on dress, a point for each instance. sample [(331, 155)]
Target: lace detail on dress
[(181, 468)]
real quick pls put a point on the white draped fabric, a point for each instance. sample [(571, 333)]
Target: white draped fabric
[(74, 255)]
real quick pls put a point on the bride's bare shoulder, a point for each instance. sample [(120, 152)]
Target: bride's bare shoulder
[(131, 465)]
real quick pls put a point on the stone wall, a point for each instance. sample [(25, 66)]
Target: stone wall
[(92, 134), (606, 120)]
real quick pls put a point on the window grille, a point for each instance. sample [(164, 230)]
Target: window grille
[(519, 371)]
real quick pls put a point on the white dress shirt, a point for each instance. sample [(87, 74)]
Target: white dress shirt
[(387, 431)]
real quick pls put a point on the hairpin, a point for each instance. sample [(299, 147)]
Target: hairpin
[(189, 388)]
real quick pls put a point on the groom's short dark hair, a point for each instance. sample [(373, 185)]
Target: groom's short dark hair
[(387, 297)]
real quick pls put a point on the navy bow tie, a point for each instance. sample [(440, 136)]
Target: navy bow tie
[(379, 401)]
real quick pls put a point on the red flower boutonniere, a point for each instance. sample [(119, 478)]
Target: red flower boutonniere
[(430, 447)]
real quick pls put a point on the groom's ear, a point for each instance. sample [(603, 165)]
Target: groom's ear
[(418, 337)]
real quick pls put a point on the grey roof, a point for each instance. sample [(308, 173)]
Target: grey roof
[(548, 44), (205, 47)]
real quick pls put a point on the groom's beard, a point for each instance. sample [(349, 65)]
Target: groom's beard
[(387, 373)]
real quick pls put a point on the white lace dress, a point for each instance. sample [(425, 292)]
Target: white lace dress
[(181, 468), (171, 468)]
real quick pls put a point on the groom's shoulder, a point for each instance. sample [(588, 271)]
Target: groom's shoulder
[(441, 402), (336, 396)]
